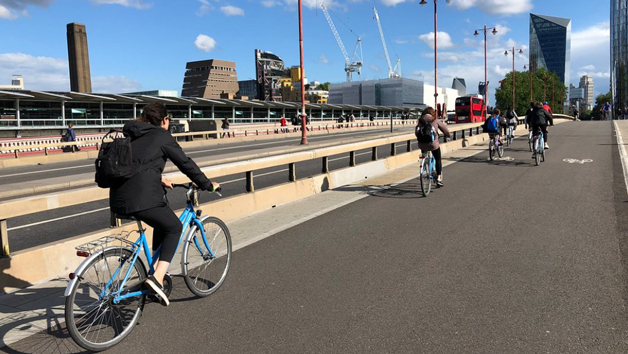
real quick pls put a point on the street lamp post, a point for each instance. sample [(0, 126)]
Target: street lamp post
[(494, 32), (303, 114), (524, 68), (513, 72), (423, 2)]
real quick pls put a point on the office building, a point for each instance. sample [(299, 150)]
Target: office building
[(248, 88), (269, 69), (550, 45), (78, 58), (586, 83), (17, 83), (619, 53), (577, 98), (398, 92), (460, 85), (209, 78)]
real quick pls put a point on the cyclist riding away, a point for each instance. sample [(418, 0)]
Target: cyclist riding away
[(547, 108), (430, 142), (143, 195), (513, 120), (491, 125), (503, 123), (539, 120)]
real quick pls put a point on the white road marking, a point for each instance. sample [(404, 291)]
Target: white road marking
[(44, 171), (57, 219), (582, 162)]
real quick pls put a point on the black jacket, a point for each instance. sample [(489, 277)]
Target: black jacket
[(540, 117), (151, 146)]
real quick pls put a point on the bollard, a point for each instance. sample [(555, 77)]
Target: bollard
[(4, 239), (292, 172), (393, 149), (374, 153), (249, 182), (325, 164), (409, 146), (46, 151), (256, 132), (454, 136), (352, 159), (471, 132)]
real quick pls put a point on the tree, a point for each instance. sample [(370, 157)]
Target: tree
[(546, 86), (600, 100), (324, 86)]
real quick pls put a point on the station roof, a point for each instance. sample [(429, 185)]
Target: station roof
[(28, 95)]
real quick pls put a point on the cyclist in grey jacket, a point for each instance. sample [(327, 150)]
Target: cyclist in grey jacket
[(429, 117)]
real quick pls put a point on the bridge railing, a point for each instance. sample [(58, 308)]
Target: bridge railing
[(244, 164)]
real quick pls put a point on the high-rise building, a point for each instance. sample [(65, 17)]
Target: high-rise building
[(550, 45), (460, 85), (586, 83), (209, 78), (78, 57), (269, 69), (619, 53)]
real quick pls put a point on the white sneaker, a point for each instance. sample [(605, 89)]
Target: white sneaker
[(546, 146)]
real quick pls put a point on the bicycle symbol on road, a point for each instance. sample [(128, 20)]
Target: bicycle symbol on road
[(505, 158), (582, 162)]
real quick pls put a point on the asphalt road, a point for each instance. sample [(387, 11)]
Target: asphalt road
[(57, 224), (506, 258)]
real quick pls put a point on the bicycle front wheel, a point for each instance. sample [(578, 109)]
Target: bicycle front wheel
[(93, 320), (207, 257), (500, 150), (426, 180), (491, 150)]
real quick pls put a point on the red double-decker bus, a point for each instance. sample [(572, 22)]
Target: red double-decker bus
[(470, 109)]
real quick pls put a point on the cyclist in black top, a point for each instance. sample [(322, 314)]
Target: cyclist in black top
[(143, 195)]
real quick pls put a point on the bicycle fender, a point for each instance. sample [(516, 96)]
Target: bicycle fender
[(188, 236), (83, 265)]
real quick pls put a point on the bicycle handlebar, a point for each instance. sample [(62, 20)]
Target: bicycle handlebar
[(192, 186)]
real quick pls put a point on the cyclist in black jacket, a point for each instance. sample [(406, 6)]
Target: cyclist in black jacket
[(143, 196), (539, 120)]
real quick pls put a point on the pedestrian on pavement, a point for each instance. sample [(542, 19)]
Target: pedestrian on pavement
[(428, 117), (69, 137), (371, 120), (283, 124), (607, 111), (225, 126), (575, 114), (143, 195)]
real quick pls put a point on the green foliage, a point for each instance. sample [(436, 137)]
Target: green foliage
[(324, 86), (546, 86), (600, 100)]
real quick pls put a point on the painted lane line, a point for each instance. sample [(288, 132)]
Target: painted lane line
[(57, 219), (622, 152), (44, 171)]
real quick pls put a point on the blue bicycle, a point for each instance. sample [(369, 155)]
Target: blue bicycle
[(106, 296), (428, 172), (538, 147)]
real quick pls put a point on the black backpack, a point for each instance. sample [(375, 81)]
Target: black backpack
[(425, 133), (114, 159)]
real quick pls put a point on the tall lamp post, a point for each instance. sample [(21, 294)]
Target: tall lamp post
[(524, 68), (494, 32), (423, 2), (303, 115), (513, 50)]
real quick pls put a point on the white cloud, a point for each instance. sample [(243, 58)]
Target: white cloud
[(6, 13), (588, 68), (594, 36), (324, 59), (401, 41), (375, 68), (501, 30), (496, 7), (230, 10), (114, 84), (271, 3), (311, 4), (444, 40), (393, 2), (138, 4), (594, 39), (205, 43), (205, 8)]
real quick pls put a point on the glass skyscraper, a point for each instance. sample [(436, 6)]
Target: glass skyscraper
[(550, 45), (619, 53)]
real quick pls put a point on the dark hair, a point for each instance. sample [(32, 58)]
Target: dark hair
[(496, 111), (153, 113)]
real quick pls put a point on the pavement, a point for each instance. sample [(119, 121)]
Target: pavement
[(373, 267)]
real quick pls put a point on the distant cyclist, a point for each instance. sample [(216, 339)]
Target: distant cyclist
[(547, 108), (539, 120), (428, 117), (513, 120), (607, 111)]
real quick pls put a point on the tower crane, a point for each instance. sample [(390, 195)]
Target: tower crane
[(392, 72), (355, 63)]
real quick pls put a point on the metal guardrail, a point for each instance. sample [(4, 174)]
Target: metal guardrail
[(262, 129), (34, 204)]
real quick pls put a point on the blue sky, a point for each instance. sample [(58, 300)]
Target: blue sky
[(144, 44)]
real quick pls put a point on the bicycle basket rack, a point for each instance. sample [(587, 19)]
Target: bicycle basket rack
[(97, 245)]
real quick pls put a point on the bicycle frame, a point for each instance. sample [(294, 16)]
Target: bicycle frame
[(432, 162), (188, 218)]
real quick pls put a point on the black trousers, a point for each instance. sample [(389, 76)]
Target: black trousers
[(540, 128), (166, 229), (439, 162)]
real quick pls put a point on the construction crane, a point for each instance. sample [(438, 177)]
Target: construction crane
[(355, 63), (392, 72)]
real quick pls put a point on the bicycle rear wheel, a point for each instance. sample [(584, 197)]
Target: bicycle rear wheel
[(491, 150), (426, 180), (94, 321), (530, 144), (500, 150), (205, 269)]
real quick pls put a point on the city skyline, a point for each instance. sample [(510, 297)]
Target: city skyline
[(143, 46)]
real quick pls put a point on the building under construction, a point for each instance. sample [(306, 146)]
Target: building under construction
[(269, 69)]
